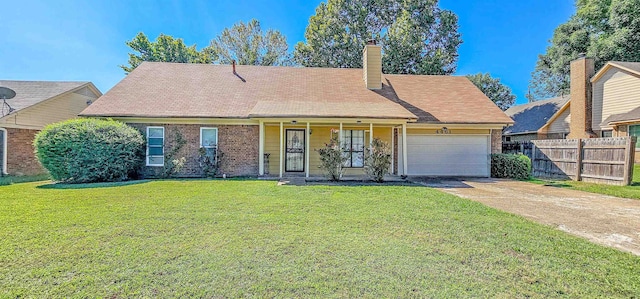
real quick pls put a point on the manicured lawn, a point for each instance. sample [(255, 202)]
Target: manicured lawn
[(254, 239), (632, 191)]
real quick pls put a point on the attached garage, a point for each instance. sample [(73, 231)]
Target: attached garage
[(448, 155)]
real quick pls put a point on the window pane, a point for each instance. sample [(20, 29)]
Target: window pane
[(209, 137), (156, 160), (358, 141), (357, 159), (346, 140), (156, 141), (155, 151), (607, 133), (635, 131), (156, 132), (347, 155)]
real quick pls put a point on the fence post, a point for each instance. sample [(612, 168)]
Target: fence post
[(533, 158), (629, 157), (579, 157)]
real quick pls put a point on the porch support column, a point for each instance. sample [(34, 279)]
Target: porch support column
[(370, 135), (281, 147), (340, 134), (404, 149), (261, 150), (307, 149), (393, 145)]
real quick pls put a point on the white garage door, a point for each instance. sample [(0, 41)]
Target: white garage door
[(447, 155)]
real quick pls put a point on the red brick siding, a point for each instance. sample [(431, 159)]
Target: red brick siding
[(496, 141), (21, 159), (238, 143)]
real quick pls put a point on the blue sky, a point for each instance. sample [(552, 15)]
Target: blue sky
[(84, 40)]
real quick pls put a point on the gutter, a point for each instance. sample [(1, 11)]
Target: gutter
[(4, 151)]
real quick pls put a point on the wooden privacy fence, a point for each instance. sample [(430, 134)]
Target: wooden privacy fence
[(597, 160)]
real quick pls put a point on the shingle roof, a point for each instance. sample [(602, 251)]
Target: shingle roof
[(634, 66), (157, 89), (622, 117), (29, 93), (529, 118)]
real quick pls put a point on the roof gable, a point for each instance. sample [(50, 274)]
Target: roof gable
[(29, 93), (630, 67), (530, 117)]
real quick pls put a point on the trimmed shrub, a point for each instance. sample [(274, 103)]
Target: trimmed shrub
[(378, 160), (90, 150), (510, 166), (332, 157)]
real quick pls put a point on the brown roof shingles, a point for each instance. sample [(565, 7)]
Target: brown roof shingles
[(214, 91)]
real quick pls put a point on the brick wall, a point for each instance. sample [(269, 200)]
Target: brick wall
[(496, 141), (21, 159), (238, 143)]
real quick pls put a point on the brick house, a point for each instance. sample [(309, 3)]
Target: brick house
[(36, 104), (268, 121)]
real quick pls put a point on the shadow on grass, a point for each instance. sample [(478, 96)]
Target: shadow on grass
[(10, 180), (91, 185)]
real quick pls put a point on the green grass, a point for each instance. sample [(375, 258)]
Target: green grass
[(8, 180), (632, 191), (202, 238)]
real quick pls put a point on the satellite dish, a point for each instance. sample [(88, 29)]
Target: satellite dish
[(7, 93)]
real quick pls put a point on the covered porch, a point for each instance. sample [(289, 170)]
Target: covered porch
[(288, 146)]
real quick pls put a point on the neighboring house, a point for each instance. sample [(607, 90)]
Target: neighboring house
[(602, 104), (36, 104), (270, 120), (545, 119)]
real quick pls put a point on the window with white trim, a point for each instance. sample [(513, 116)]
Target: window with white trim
[(155, 146), (353, 147), (209, 138)]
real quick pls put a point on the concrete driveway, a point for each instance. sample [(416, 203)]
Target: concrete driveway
[(602, 219)]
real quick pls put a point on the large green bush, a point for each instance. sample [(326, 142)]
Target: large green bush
[(90, 150), (510, 166)]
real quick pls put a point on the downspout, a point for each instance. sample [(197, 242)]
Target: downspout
[(4, 151)]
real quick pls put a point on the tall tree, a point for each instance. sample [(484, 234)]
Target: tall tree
[(603, 29), (417, 37), (247, 44), (499, 93), (165, 48)]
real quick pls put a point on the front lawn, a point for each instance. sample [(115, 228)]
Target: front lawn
[(632, 191), (199, 238)]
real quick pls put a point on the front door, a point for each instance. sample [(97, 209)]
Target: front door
[(294, 153)]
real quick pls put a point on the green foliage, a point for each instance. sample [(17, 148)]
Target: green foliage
[(377, 160), (165, 49), (210, 160), (332, 157), (510, 166), (605, 30), (174, 164), (417, 37), (247, 44), (499, 93), (90, 150)]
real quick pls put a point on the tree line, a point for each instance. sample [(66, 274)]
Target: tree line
[(417, 37)]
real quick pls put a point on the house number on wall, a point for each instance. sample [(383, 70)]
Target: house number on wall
[(444, 130)]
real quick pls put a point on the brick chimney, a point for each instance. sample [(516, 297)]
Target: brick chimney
[(582, 69), (372, 65)]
